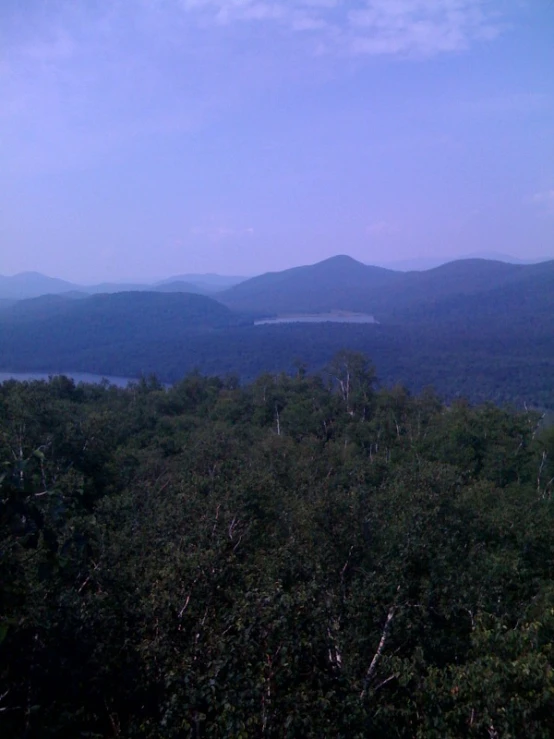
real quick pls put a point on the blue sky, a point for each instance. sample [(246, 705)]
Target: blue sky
[(143, 138)]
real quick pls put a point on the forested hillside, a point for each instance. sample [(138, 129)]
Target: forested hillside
[(5, 303), (343, 283), (301, 556), (52, 330), (514, 367), (336, 283), (476, 328), (128, 312)]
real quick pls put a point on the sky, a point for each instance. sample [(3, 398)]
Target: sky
[(146, 138)]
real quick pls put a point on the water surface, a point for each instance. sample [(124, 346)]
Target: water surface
[(332, 317)]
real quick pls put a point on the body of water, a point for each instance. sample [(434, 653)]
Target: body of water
[(338, 317), (75, 376)]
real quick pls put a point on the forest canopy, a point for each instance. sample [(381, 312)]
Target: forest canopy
[(300, 556)]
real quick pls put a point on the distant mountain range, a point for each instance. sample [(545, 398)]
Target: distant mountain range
[(342, 283), (477, 327), (423, 263), (453, 291), (210, 279), (34, 284)]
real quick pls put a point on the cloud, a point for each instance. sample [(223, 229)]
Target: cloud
[(373, 27), (80, 79), (422, 27)]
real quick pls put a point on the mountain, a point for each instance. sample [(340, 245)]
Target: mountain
[(36, 310), (115, 287), (522, 305), (135, 312), (336, 283), (500, 257), (480, 328), (56, 333), (342, 283), (423, 263), (32, 284), (209, 282), (466, 277), (178, 286)]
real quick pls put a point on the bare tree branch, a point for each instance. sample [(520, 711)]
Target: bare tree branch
[(377, 656)]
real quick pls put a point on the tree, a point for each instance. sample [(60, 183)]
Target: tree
[(354, 376)]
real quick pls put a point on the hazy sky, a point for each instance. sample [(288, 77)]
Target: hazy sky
[(143, 138)]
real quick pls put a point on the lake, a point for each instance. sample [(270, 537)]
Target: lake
[(75, 376), (332, 317)]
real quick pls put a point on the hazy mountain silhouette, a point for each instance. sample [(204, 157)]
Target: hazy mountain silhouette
[(34, 284), (336, 283), (210, 282), (342, 283), (521, 302), (424, 263), (477, 326), (178, 286)]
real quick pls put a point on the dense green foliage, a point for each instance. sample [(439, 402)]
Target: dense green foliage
[(299, 557), (511, 367)]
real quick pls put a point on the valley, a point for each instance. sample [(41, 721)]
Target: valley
[(476, 328)]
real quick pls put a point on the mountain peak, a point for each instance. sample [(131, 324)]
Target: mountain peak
[(341, 259)]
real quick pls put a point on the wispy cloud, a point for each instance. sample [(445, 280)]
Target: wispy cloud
[(421, 27), (370, 27), (80, 79)]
